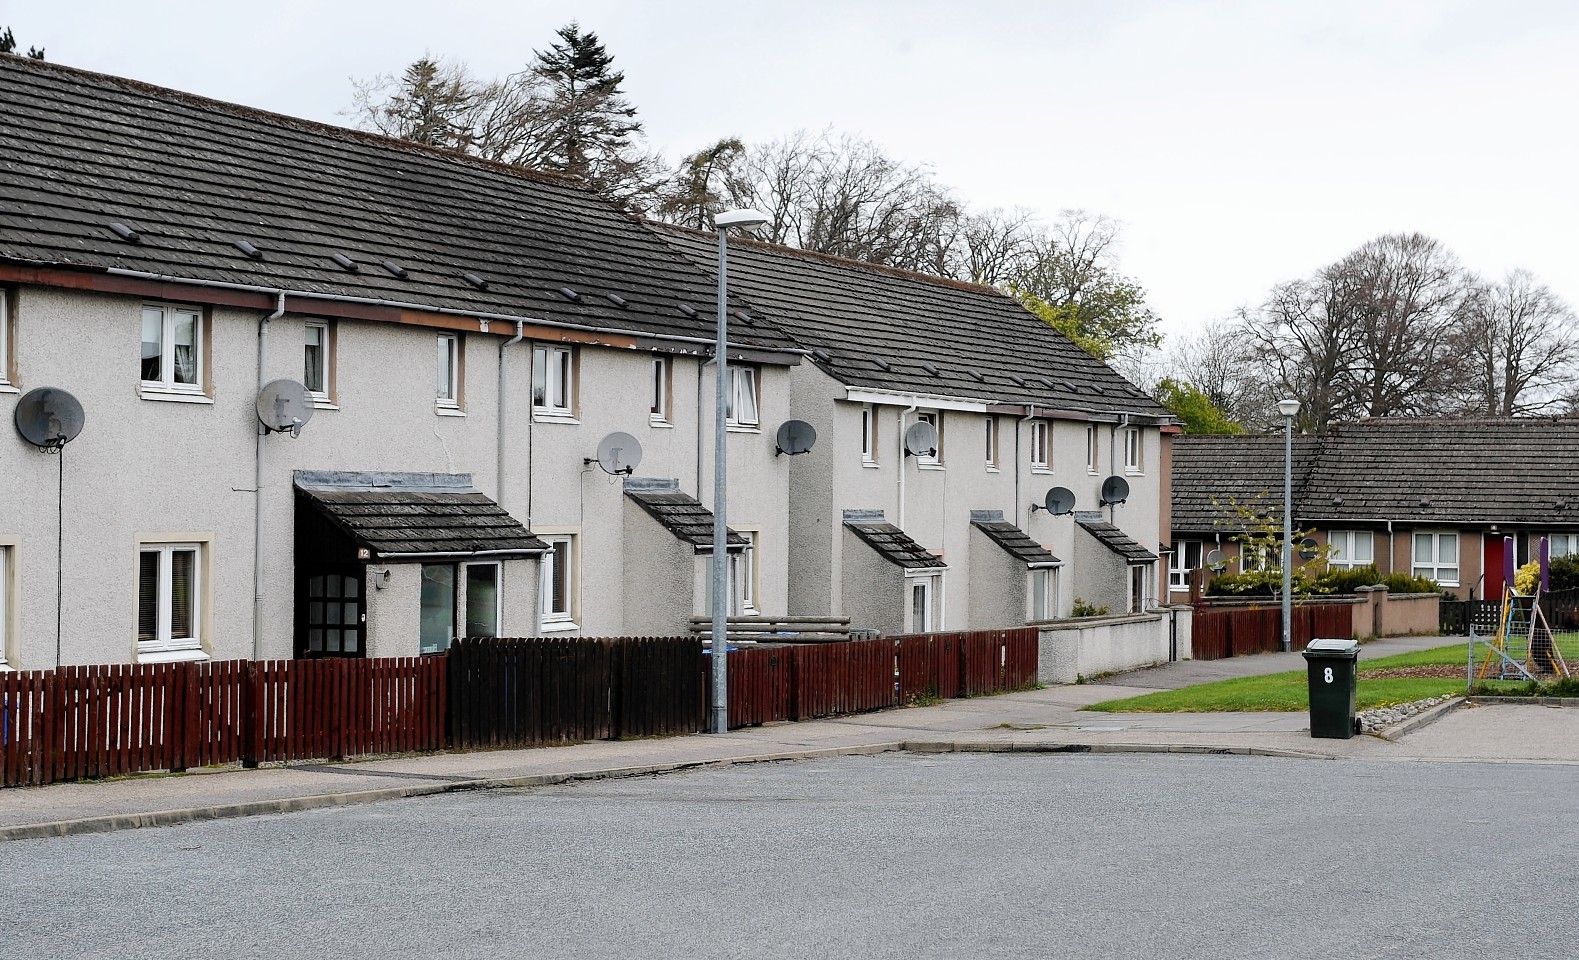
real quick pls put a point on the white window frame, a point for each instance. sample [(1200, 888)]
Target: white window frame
[(1093, 449), (1140, 589), (1047, 609), (745, 569), (8, 571), (662, 385), (935, 458), (1433, 566), (447, 388), (1134, 451), (1345, 552), (441, 645), (553, 382), (320, 398), (1253, 558), (868, 436), (498, 592), (165, 648), (932, 586), (1569, 541), (563, 557), (166, 387), (992, 443), (5, 358), (743, 383), (1180, 570), (1041, 447)]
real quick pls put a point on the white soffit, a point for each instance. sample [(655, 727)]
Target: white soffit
[(896, 398)]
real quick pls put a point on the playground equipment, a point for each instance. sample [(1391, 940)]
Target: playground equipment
[(1523, 648)]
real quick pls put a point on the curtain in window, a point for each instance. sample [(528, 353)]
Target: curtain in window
[(186, 348), (153, 344), (148, 596), (183, 584), (312, 375)]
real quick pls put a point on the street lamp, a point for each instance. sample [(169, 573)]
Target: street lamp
[(1288, 408), (747, 220)]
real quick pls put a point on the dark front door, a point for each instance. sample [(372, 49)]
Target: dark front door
[(331, 612)]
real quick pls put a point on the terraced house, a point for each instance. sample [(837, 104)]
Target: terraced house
[(465, 341)]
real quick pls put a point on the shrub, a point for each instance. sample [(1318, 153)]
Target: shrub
[(1267, 583), (1565, 572), (1083, 609)]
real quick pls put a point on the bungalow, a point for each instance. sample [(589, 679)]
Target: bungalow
[(1433, 497)]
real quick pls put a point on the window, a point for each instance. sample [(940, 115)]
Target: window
[(918, 619), (1091, 449), (172, 352), (558, 588), (482, 599), (438, 606), (741, 399), (1041, 454), (1350, 549), (1132, 451), (660, 390), (335, 622), (1186, 560), (317, 363), (5, 604), (169, 602), (449, 385), (1436, 557), (1253, 558), (1044, 593), (553, 381), (1140, 578), (743, 568), (992, 443), (1562, 544), (868, 436), (5, 356), (935, 457)]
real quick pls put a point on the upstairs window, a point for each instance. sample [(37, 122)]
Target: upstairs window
[(5, 340), (1041, 448), (660, 390), (1132, 451), (935, 457), (448, 393), (553, 381), (741, 397), (172, 350), (1091, 449), (868, 436), (992, 443), (317, 363)]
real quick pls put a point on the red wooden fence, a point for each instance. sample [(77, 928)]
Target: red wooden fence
[(1219, 632)]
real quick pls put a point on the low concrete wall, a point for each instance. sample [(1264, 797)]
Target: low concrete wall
[(1071, 649)]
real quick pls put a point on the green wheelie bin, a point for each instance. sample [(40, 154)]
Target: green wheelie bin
[(1333, 674)]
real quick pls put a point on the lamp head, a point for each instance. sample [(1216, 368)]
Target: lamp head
[(1288, 407), (747, 219)]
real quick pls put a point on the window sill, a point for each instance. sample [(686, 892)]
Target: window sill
[(323, 403), (992, 469), (930, 466), (660, 422), (552, 416), (6, 387), (871, 464), (1042, 471), (449, 411), (559, 626), (180, 655), (153, 391), (743, 427), (1134, 473)]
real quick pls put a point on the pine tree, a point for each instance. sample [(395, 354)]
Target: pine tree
[(8, 45)]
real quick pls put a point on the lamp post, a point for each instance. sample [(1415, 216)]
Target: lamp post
[(746, 219), (1288, 408)]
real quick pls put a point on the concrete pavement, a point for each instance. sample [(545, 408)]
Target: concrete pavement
[(1049, 719)]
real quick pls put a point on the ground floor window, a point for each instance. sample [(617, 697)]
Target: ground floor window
[(334, 614), (169, 601), (1044, 593), (1436, 557), (1351, 549), (438, 606), (5, 581), (1186, 560), (558, 587), (919, 616), (482, 599), (1563, 544), (1140, 592)]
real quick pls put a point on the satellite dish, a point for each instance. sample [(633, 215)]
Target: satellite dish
[(1059, 501), (48, 417), (921, 440), (284, 407), (1215, 561), (618, 453), (795, 437), (1114, 490), (1308, 549)]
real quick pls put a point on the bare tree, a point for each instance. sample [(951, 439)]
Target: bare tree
[(701, 187), (1221, 362), (1520, 341), (432, 102)]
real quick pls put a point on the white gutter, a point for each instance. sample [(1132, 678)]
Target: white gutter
[(389, 558), (257, 483), (504, 410)]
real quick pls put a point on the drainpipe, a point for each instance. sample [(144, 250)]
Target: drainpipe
[(899, 460), (1123, 421), (701, 413), (257, 484), (1017, 425), (504, 409)]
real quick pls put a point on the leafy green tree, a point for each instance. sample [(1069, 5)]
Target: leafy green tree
[(8, 45), (1195, 409)]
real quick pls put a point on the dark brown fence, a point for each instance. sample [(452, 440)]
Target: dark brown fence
[(307, 709), (1219, 632), (521, 692)]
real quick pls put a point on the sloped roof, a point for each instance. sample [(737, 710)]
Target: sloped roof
[(685, 517), (894, 545), (1420, 470), (1016, 541), (80, 150), (412, 515), (1232, 468), (882, 329), (1116, 540)]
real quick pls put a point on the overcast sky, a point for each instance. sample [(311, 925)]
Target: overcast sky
[(1240, 144)]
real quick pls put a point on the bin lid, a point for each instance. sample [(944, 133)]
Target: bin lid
[(1333, 648)]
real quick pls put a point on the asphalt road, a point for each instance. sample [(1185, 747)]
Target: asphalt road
[(897, 855)]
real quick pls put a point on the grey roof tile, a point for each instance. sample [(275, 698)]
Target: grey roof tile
[(1117, 541), (394, 522), (894, 545), (1016, 541), (685, 517)]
